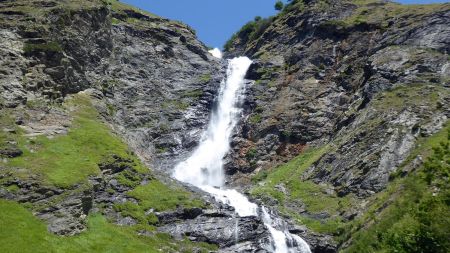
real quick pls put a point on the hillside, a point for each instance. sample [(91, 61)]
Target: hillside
[(80, 119), (350, 99), (344, 132)]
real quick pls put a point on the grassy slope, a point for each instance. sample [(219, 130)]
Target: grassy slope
[(416, 218), (313, 197), (22, 232), (67, 161)]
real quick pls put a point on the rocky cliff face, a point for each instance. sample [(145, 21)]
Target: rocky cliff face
[(76, 75), (318, 66), (357, 82), (158, 79), (348, 99), (146, 77)]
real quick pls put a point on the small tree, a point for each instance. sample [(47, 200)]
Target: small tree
[(279, 5)]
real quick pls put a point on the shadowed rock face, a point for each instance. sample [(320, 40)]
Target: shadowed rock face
[(164, 92)]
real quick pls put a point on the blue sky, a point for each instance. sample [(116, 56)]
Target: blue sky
[(216, 20)]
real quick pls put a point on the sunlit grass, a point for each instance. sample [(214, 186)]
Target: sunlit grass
[(21, 232)]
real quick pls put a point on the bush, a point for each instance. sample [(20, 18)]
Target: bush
[(279, 5), (417, 220), (249, 31)]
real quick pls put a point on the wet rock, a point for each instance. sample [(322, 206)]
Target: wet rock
[(223, 231), (320, 243)]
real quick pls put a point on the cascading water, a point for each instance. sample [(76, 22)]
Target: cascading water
[(204, 168)]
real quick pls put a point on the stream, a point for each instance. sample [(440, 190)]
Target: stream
[(204, 168)]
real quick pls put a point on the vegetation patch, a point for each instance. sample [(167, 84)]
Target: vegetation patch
[(249, 32), (407, 96), (136, 211), (121, 8), (195, 93), (46, 47), (255, 118), (160, 197), (409, 216), (285, 185), (206, 78), (8, 129), (22, 232), (70, 159)]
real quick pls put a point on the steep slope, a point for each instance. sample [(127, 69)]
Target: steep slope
[(350, 89), (91, 93), (342, 132), (152, 70)]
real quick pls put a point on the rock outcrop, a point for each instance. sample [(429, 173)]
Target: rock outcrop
[(350, 88), (363, 80), (318, 67), (158, 79)]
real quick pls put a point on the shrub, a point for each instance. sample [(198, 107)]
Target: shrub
[(249, 31), (279, 5), (416, 220)]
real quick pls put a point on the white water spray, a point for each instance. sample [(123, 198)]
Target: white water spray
[(216, 53), (204, 168)]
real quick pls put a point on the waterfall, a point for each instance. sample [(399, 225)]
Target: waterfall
[(204, 168), (216, 53)]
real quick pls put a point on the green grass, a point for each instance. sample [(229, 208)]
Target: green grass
[(287, 174), (255, 118), (7, 123), (69, 159), (21, 232), (120, 8), (158, 197), (249, 32), (367, 13), (196, 93), (136, 212), (205, 78), (300, 191), (176, 104), (161, 197), (372, 12), (412, 214)]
